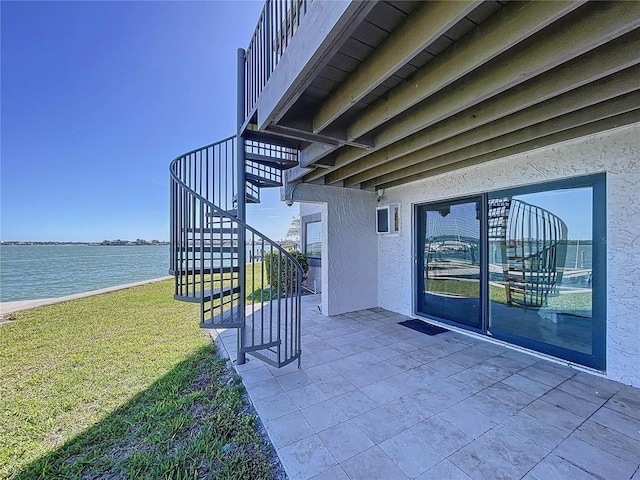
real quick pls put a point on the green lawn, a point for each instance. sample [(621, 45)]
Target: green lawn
[(568, 302), (121, 385), (257, 284)]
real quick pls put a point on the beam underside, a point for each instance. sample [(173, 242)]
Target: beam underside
[(498, 88)]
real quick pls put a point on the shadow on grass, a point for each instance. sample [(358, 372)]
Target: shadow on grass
[(188, 424)]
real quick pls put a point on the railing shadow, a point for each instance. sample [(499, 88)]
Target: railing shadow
[(188, 424)]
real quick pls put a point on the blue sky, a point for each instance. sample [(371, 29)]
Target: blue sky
[(98, 97)]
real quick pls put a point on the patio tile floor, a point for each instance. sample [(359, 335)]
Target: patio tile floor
[(376, 400)]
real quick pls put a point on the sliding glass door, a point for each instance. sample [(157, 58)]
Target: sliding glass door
[(526, 266), (449, 251), (544, 268)]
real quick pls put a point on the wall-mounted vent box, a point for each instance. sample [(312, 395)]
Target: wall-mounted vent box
[(388, 218)]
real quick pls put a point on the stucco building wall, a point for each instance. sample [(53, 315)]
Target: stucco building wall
[(349, 279), (616, 153)]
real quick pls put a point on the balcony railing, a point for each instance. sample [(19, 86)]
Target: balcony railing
[(277, 24)]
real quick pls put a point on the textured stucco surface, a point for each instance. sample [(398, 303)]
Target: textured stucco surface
[(309, 209), (349, 246), (617, 153)]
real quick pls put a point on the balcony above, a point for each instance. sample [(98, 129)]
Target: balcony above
[(278, 68), (378, 94)]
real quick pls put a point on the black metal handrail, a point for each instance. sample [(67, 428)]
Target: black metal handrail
[(204, 258), (276, 26)]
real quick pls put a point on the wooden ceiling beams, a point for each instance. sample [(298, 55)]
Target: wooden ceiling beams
[(529, 74)]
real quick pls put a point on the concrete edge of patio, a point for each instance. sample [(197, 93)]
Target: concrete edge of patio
[(19, 305)]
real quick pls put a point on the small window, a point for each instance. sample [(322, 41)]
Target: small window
[(388, 219), (313, 239), (382, 222)]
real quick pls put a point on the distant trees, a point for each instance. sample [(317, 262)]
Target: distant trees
[(138, 241), (294, 229)]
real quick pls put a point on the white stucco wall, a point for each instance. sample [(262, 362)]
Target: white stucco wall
[(349, 246), (309, 209), (617, 153)]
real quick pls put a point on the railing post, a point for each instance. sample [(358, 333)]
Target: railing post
[(172, 226), (241, 204), (268, 49)]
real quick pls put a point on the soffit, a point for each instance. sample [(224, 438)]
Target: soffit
[(537, 74)]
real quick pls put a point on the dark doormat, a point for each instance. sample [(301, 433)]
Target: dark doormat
[(423, 327)]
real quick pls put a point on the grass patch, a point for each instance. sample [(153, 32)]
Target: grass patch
[(262, 295), (121, 385), (255, 278), (579, 302)]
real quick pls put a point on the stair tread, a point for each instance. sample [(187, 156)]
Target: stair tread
[(270, 139), (279, 163), (207, 271), (231, 318), (217, 230), (212, 291), (216, 214), (248, 197), (259, 181), (208, 248), (198, 296)]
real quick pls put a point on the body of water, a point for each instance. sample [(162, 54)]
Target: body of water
[(29, 272)]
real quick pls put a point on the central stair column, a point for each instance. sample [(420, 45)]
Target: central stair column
[(241, 204)]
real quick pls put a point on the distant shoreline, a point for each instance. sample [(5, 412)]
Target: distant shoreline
[(20, 305), (105, 243)]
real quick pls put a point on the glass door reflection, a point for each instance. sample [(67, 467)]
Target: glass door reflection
[(450, 261), (540, 270)]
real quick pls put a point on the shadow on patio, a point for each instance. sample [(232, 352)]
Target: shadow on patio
[(377, 400)]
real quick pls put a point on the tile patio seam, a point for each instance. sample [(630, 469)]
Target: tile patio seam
[(458, 392)]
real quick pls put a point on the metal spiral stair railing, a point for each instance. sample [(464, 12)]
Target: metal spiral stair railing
[(209, 245), (533, 245)]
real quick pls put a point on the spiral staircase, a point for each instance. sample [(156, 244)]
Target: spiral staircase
[(218, 260), (533, 244)]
